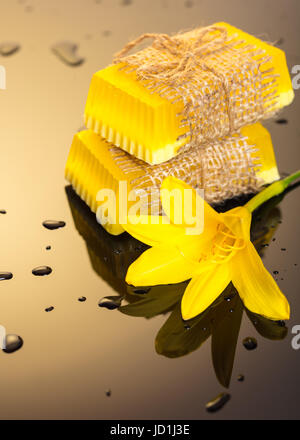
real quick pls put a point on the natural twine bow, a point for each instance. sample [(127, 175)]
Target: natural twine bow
[(186, 55), (184, 51)]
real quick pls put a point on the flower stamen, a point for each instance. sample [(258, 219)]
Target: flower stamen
[(225, 245)]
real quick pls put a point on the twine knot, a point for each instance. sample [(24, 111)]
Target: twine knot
[(183, 53)]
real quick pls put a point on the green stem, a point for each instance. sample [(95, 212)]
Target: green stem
[(271, 191)]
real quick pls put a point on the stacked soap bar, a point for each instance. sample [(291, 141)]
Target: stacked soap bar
[(149, 125), (95, 164), (144, 126)]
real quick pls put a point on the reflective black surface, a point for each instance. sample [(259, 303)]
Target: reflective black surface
[(141, 355)]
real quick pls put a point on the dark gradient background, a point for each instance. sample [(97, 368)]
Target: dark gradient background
[(72, 355)]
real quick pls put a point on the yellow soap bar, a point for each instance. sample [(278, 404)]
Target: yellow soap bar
[(91, 167), (94, 164), (278, 63), (260, 137), (124, 111)]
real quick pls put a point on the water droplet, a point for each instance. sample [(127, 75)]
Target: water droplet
[(5, 276), (281, 323), (250, 343), (126, 2), (2, 211), (110, 302), (106, 33), (8, 48), (187, 327), (108, 393), (48, 248), (281, 121), (218, 402), (53, 224), (189, 4), (273, 239), (275, 272), (66, 51), (49, 309), (283, 249), (12, 343), (82, 299), (241, 378), (265, 245), (231, 310), (41, 271)]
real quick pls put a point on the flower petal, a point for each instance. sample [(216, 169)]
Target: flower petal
[(256, 286), (203, 289), (152, 231), (159, 265), (238, 220), (211, 217), (190, 246)]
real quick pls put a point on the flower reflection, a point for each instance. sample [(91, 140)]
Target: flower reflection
[(111, 256)]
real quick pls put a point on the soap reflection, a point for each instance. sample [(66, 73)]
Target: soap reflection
[(111, 256)]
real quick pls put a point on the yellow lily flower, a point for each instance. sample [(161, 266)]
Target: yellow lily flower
[(221, 254)]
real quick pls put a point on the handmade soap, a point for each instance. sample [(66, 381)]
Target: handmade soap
[(236, 165), (187, 90)]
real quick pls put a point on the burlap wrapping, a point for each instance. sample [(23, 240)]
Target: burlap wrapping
[(224, 86), (224, 169)]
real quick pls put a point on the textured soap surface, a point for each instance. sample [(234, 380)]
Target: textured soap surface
[(90, 167), (149, 126), (94, 164)]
